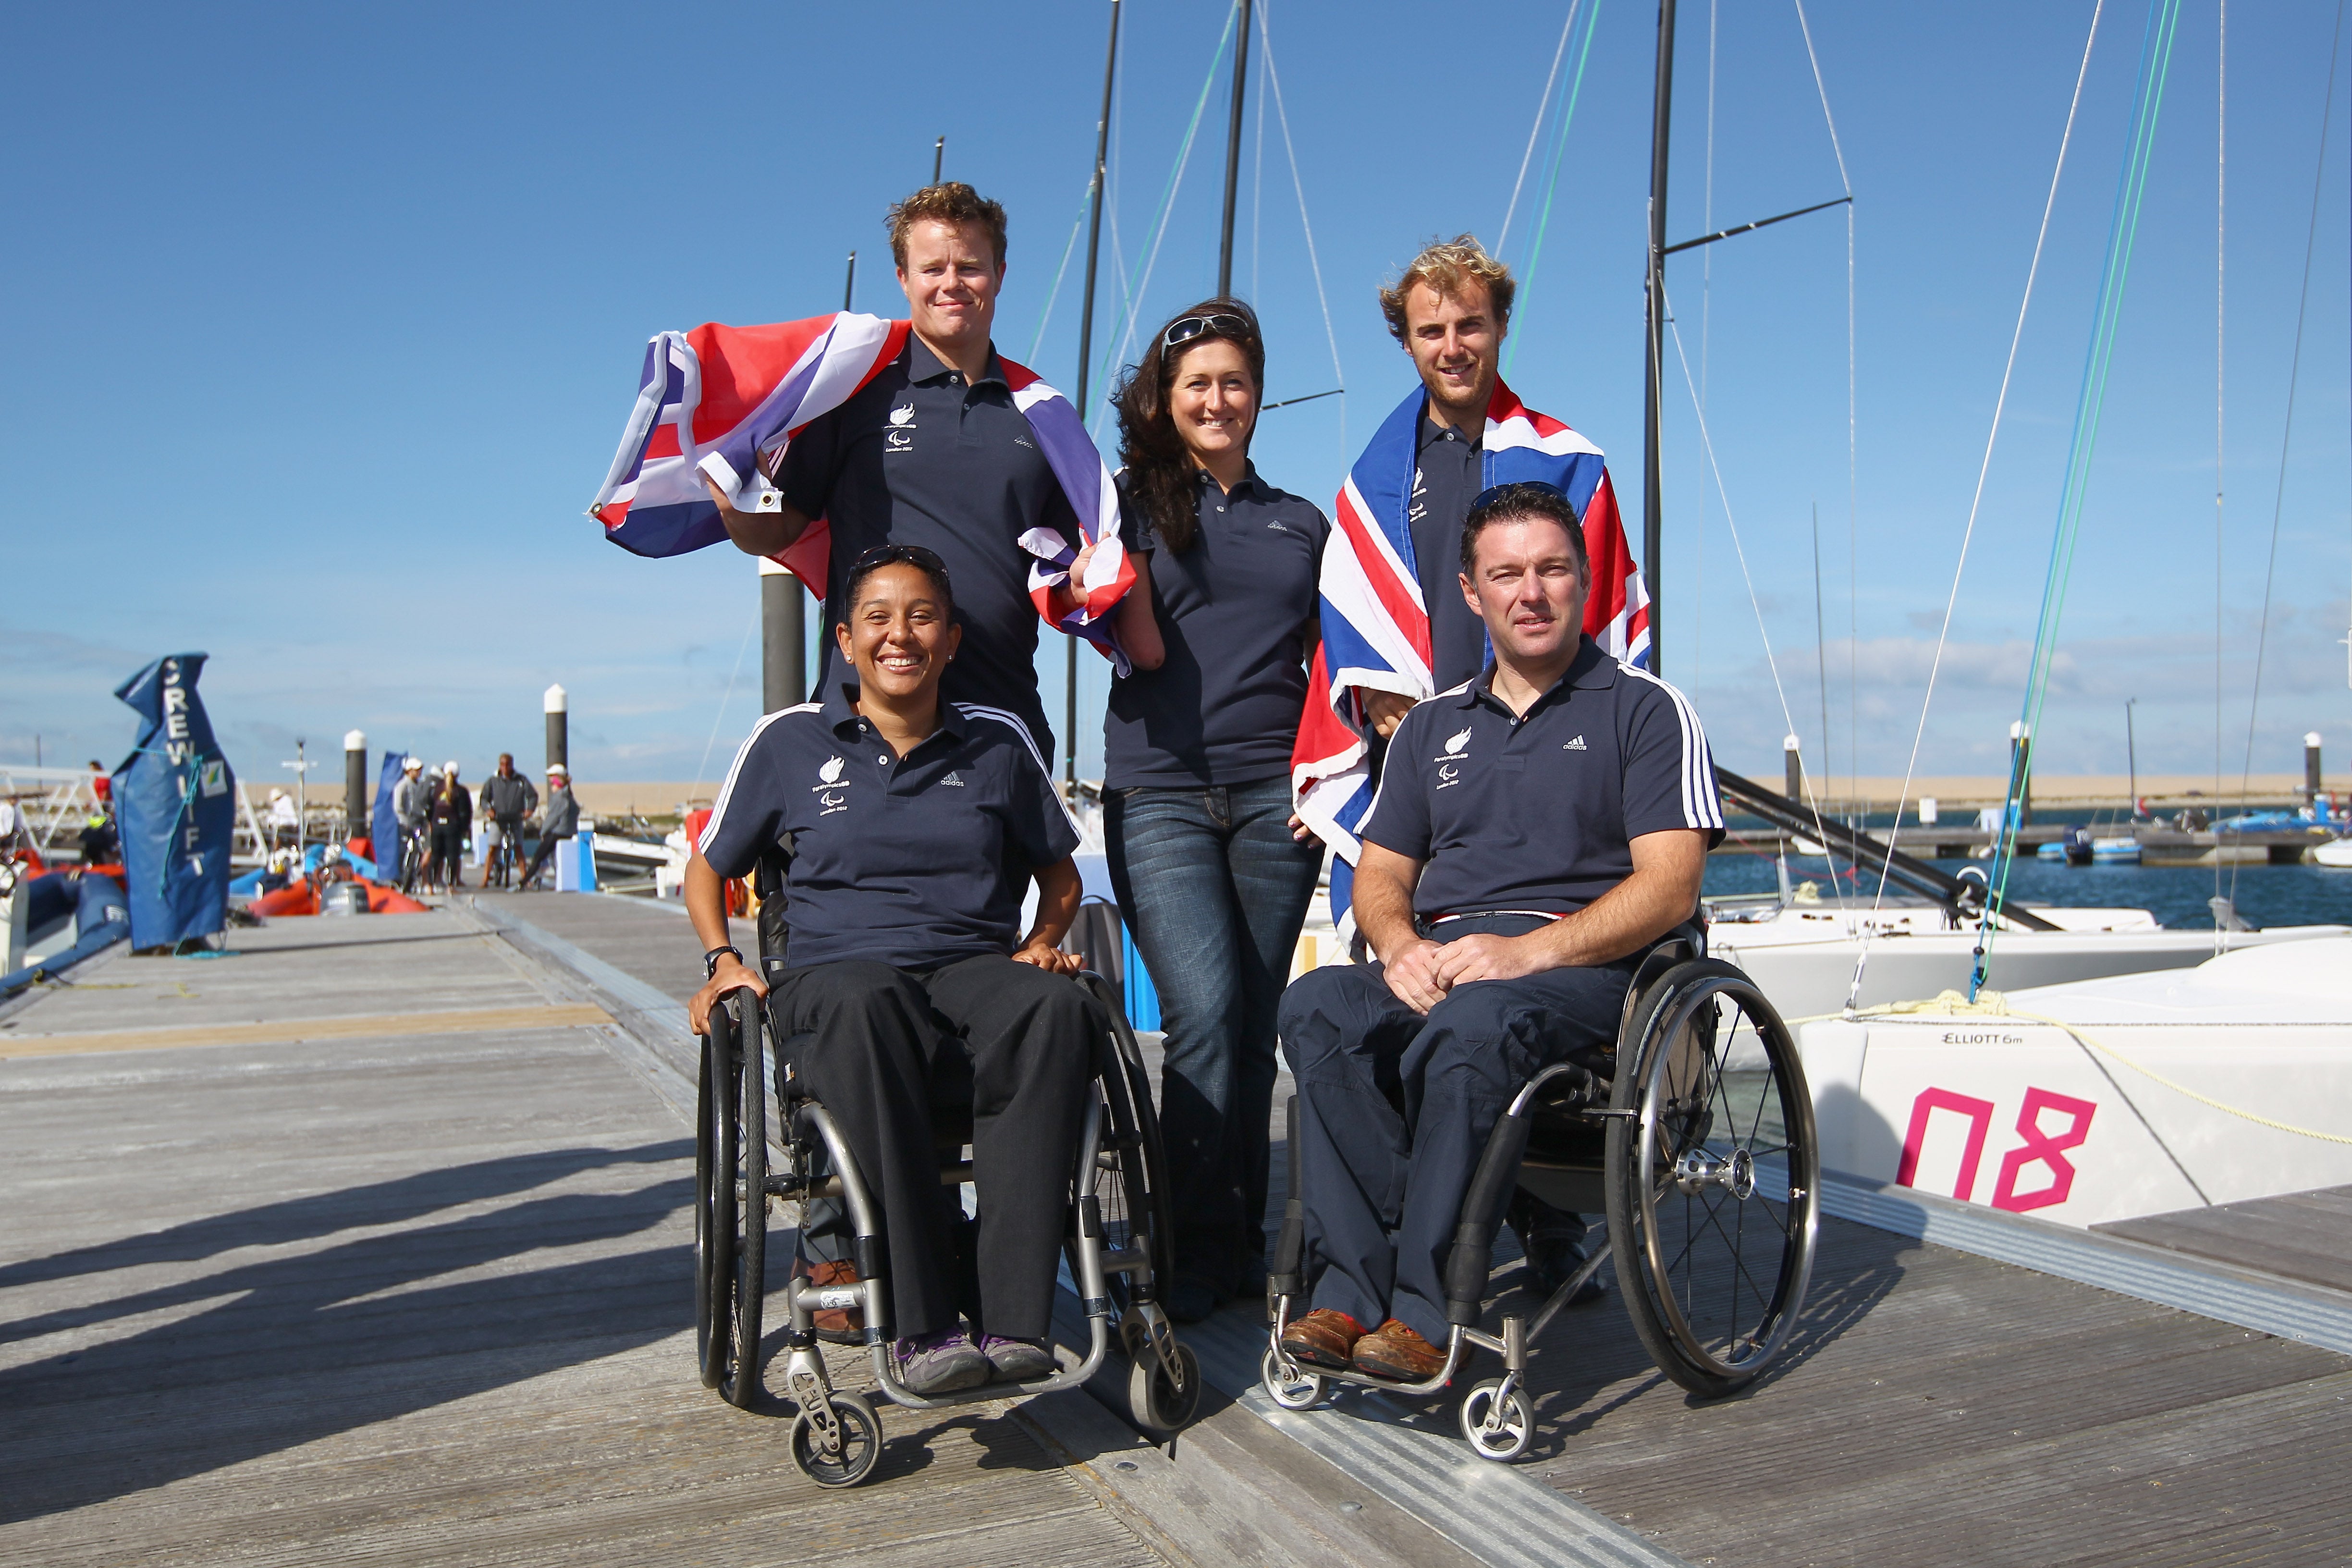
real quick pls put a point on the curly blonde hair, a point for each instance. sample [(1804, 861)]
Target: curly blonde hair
[(950, 202), (1448, 266)]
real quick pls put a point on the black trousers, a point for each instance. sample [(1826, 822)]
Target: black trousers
[(887, 1044), (545, 853), (1395, 1107)]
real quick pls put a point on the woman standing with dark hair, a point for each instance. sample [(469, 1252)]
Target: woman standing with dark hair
[(1214, 873)]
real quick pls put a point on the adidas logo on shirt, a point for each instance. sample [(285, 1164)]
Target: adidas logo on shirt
[(1575, 745), (954, 781)]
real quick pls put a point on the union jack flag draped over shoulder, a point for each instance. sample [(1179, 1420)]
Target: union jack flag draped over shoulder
[(723, 403), (1376, 626)]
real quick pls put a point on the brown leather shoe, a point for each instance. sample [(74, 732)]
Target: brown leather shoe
[(1322, 1338), (1394, 1350), (843, 1325)]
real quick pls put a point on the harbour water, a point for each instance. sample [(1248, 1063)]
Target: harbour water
[(2175, 894)]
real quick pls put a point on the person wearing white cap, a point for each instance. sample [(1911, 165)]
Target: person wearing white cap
[(560, 822), (411, 799)]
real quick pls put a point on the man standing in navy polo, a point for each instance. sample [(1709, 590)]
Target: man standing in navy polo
[(1536, 828), (932, 452)]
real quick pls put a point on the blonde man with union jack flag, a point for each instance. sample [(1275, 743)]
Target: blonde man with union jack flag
[(1396, 627)]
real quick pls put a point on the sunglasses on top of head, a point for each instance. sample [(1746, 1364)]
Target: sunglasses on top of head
[(1185, 329)]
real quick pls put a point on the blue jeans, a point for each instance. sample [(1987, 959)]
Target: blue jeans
[(1214, 890)]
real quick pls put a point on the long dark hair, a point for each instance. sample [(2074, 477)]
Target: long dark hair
[(1159, 468)]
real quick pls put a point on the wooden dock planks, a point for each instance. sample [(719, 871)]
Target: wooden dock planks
[(408, 1297)]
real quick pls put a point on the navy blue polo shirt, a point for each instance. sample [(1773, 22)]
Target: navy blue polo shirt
[(919, 457), (1448, 472), (1233, 610), (914, 861), (1537, 813)]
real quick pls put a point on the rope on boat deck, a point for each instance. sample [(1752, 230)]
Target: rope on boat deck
[(1994, 1004)]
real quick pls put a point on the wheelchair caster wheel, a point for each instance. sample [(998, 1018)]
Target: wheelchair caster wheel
[(858, 1447), (1498, 1432), (1152, 1397), (1300, 1393)]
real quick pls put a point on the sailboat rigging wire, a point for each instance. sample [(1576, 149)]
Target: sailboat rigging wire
[(2287, 435), (1543, 109), (2221, 380), (1976, 501), (1754, 603), (720, 717), (1282, 114), (1705, 342), (1852, 451), (1046, 315), (1134, 293), (1554, 164), (1257, 198), (2090, 403), (1813, 59)]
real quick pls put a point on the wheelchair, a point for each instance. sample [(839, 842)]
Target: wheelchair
[(1117, 1250), (1696, 1141)]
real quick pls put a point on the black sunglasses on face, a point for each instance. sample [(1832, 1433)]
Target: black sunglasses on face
[(1185, 329), (883, 555)]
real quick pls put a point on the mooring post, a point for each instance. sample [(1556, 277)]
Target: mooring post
[(782, 679), (2311, 767), (558, 727), (1792, 763), (355, 784)]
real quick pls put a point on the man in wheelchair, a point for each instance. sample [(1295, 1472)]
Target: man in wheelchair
[(915, 826), (1535, 831)]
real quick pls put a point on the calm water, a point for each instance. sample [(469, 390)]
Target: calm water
[(2175, 894)]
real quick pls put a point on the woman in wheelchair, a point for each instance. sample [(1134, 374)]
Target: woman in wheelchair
[(915, 827)]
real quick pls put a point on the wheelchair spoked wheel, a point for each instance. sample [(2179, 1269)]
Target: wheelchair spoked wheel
[(1151, 1204), (856, 1442), (1713, 1179), (715, 1205), (748, 1285)]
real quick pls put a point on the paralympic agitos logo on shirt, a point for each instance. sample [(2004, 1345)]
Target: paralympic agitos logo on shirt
[(1449, 764), (900, 436), (828, 795)]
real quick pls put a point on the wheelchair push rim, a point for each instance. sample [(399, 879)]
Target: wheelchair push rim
[(715, 1207), (748, 1283), (1712, 1181)]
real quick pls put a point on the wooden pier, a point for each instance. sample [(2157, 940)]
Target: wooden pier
[(369, 1241)]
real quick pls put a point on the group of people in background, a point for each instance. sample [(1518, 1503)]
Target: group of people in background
[(934, 491), (437, 811)]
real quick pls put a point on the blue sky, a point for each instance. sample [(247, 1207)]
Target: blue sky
[(330, 317)]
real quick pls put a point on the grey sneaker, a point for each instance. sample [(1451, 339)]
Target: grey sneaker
[(940, 1362), (1018, 1360)]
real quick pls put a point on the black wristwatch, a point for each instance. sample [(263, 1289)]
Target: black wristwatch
[(710, 961)]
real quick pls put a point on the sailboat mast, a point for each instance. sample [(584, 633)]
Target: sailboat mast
[(1085, 352), (1655, 311), (1233, 154)]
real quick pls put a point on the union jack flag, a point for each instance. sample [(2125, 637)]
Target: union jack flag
[(1376, 626), (724, 403)]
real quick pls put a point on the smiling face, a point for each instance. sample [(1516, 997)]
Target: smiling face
[(950, 277), (1213, 400), (1525, 585), (899, 634), (1455, 344)]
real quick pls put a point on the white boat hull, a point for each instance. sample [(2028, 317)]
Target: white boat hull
[(1806, 969), (2022, 1116)]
